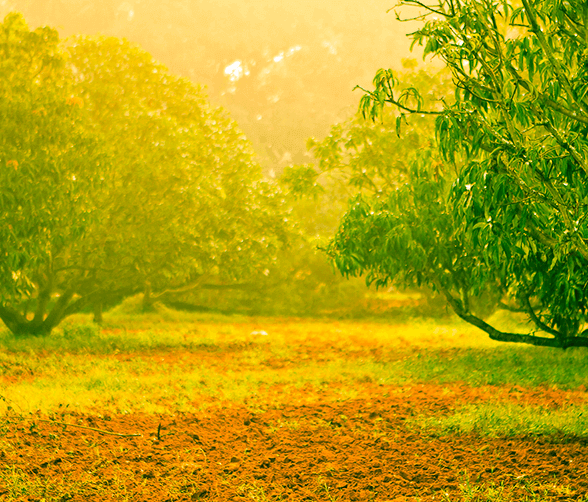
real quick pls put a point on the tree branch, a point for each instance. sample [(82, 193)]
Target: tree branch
[(554, 105), (501, 336), (417, 3), (396, 103), (182, 289), (540, 324)]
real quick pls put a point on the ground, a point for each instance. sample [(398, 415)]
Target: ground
[(359, 449), (264, 410)]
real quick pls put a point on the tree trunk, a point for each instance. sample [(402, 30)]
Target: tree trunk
[(98, 312), (148, 300), (20, 326), (42, 323)]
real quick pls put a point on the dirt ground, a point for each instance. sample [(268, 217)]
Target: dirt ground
[(358, 449)]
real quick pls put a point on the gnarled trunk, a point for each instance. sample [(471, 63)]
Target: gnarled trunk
[(43, 322)]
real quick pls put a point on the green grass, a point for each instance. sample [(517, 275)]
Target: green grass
[(503, 365), (153, 365), (507, 419), (526, 490)]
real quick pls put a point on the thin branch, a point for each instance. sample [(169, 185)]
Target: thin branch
[(511, 308), (540, 324), (564, 144), (541, 236), (492, 33), (183, 289), (424, 6), (420, 17), (563, 210), (396, 103), (554, 105)]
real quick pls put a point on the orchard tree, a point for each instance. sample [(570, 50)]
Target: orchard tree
[(50, 169), (505, 212), (116, 177), (187, 204), (360, 155)]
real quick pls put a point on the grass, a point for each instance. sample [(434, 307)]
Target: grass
[(507, 419), (153, 365), (503, 365), (19, 485), (184, 362), (524, 491)]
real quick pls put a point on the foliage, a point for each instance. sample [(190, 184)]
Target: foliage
[(365, 157), (505, 215), (50, 169), (118, 177), (376, 156), (295, 67), (356, 155), (185, 179)]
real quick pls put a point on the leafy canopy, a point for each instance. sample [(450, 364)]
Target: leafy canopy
[(185, 177), (505, 215), (117, 177), (50, 167)]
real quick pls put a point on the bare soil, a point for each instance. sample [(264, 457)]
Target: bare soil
[(358, 449)]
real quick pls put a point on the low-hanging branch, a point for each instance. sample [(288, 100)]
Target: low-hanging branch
[(560, 342)]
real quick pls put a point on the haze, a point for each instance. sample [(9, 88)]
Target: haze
[(284, 70)]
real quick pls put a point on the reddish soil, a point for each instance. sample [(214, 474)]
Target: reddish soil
[(357, 449)]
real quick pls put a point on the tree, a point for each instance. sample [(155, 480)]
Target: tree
[(185, 177), (117, 177), (371, 157), (505, 213), (50, 167), (363, 156)]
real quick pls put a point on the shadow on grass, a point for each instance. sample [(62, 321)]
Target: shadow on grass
[(90, 339), (509, 364)]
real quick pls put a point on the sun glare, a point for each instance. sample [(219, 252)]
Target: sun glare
[(235, 71)]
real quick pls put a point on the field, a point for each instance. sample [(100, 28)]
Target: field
[(177, 407)]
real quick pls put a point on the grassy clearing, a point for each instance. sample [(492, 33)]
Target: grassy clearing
[(186, 362)]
